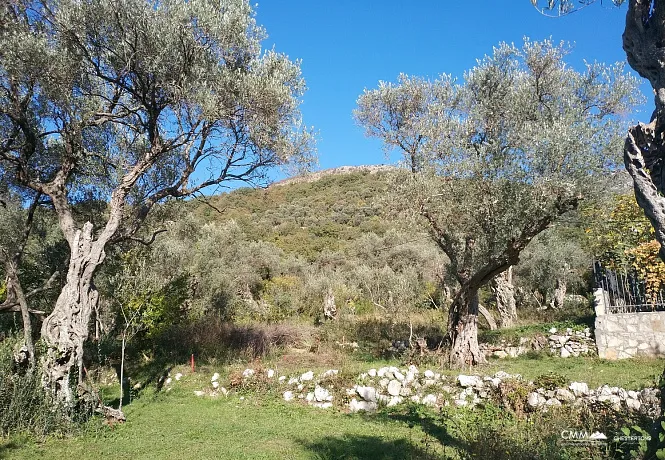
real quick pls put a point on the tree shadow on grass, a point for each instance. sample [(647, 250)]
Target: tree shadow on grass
[(8, 445), (354, 447)]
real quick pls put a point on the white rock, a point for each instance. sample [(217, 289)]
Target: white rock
[(382, 371), (495, 382), (321, 394), (405, 391), (500, 354), (215, 384), (565, 353), (461, 402), (169, 380), (293, 380), (307, 376), (288, 395), (469, 381), (372, 373), (248, 373), (300, 386), (394, 387), (553, 330), (413, 369), (224, 391), (429, 400), (270, 373), (282, 379), (579, 388), (367, 393), (395, 400), (366, 406), (309, 397), (633, 404), (429, 374), (322, 405), (330, 373), (429, 382), (399, 376), (384, 382), (415, 399), (536, 400), (564, 395), (410, 377), (178, 376), (633, 394), (199, 393), (553, 402), (382, 399), (215, 377)]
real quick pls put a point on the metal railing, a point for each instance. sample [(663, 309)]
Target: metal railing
[(626, 291)]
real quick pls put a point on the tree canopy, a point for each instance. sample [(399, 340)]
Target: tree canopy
[(516, 144)]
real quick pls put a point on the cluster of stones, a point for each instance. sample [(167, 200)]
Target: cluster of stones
[(572, 343), (306, 388), (564, 344), (391, 386), (645, 401), (506, 349)]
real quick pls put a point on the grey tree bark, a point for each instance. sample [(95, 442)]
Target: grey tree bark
[(15, 293), (484, 312), (559, 293), (504, 293), (644, 149), (65, 330)]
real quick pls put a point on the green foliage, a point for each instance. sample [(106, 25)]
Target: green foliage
[(551, 381), (24, 404)]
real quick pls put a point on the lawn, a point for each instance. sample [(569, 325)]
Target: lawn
[(180, 425), (259, 425)]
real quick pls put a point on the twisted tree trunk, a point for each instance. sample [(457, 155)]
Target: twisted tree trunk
[(463, 329), (66, 328), (644, 150), (504, 293), (15, 291)]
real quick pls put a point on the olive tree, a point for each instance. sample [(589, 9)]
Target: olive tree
[(509, 149), (135, 101), (644, 148)]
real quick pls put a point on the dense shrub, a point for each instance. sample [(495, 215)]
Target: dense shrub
[(24, 404)]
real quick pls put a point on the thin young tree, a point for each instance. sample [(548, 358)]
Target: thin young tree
[(501, 155), (135, 101)]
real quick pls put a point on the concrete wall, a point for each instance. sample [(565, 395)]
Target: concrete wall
[(627, 335)]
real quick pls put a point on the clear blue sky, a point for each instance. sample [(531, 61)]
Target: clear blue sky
[(348, 45)]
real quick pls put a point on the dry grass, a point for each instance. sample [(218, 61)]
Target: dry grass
[(212, 337)]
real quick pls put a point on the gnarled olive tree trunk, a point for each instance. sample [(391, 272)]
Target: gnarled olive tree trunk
[(644, 150), (463, 328), (66, 328), (504, 293)]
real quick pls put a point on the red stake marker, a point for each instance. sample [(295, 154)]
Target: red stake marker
[(192, 362)]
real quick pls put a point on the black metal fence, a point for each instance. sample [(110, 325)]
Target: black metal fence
[(626, 291)]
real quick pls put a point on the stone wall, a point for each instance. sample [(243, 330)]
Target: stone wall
[(627, 335)]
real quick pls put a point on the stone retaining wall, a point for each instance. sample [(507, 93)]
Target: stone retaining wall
[(627, 335)]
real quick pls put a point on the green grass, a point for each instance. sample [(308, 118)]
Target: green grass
[(177, 424), (630, 374), (180, 425)]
